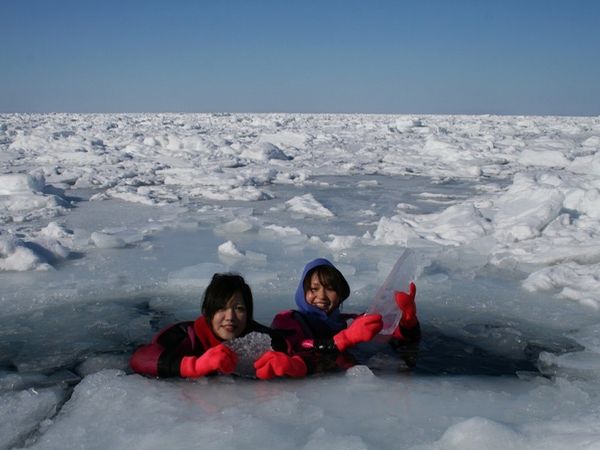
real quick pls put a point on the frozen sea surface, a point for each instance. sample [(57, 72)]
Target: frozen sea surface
[(112, 225)]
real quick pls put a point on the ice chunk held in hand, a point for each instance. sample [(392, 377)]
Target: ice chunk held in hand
[(248, 349), (399, 278)]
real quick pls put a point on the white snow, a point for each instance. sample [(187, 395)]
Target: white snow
[(111, 225), (307, 205)]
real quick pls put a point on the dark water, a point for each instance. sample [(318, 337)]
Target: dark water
[(441, 353)]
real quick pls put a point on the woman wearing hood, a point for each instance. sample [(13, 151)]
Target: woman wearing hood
[(319, 332)]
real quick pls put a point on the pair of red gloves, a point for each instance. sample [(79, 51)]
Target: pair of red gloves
[(365, 327), (222, 359), (277, 364)]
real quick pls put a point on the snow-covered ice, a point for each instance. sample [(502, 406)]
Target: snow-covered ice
[(111, 225)]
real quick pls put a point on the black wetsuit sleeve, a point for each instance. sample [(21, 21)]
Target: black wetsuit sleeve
[(162, 357), (407, 336), (174, 342)]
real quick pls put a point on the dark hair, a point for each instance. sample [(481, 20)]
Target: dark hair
[(219, 291), (331, 278)]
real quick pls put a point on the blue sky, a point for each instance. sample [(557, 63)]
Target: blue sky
[(438, 57)]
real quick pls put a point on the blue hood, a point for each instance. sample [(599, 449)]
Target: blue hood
[(317, 317)]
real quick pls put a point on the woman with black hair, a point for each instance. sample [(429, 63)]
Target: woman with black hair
[(197, 348)]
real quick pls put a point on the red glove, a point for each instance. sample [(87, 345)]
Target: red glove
[(277, 364), (363, 329), (220, 358), (406, 303)]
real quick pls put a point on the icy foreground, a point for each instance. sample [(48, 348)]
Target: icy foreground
[(111, 226)]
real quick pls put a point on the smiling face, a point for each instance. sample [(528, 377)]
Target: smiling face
[(320, 296), (230, 321)]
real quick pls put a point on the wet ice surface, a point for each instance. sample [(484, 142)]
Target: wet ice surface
[(112, 225)]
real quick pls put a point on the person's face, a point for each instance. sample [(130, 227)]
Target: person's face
[(229, 322), (321, 297)]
